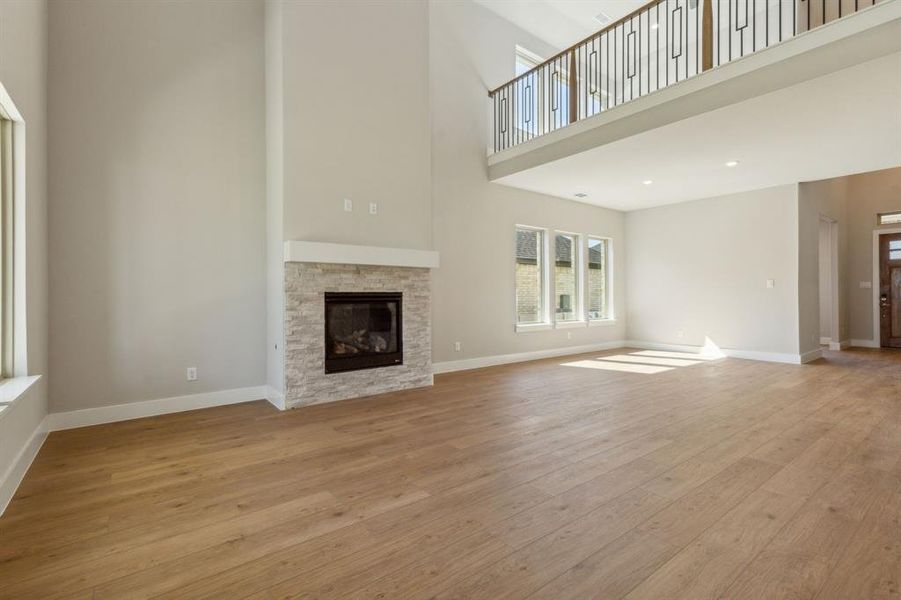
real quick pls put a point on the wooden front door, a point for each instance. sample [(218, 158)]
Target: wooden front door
[(890, 290)]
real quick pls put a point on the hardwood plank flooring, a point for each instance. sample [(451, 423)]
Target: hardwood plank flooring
[(579, 477)]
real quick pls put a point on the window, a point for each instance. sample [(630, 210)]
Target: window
[(6, 248), (530, 276), (526, 95), (890, 218), (526, 61), (563, 280), (598, 292), (894, 250), (566, 277), (12, 197)]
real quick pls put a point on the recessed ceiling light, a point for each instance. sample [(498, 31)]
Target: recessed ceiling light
[(647, 182), (732, 163), (580, 195)]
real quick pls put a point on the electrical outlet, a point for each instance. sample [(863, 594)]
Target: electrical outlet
[(770, 283), (458, 346), (192, 374), (373, 208), (348, 205), (680, 334), (866, 285), (569, 335)]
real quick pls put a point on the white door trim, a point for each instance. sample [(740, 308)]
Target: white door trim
[(835, 334)]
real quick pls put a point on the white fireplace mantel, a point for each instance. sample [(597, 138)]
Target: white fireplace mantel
[(347, 254)]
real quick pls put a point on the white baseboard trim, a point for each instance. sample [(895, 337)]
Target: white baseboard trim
[(504, 359), (844, 345), (152, 408), (16, 472), (825, 341), (792, 359), (865, 343), (811, 355), (275, 398)]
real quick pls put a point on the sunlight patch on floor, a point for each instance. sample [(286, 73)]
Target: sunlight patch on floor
[(668, 354), (617, 366), (651, 360)]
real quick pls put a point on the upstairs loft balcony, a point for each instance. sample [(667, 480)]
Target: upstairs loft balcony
[(662, 43)]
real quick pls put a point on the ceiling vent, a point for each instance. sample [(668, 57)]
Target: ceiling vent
[(603, 18)]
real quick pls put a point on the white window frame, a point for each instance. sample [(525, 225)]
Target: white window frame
[(13, 349), (545, 292), (579, 256), (548, 259), (610, 317), (526, 56)]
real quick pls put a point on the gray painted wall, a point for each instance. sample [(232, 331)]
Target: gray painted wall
[(157, 180), (356, 122), (701, 267)]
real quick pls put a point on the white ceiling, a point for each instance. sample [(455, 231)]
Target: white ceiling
[(842, 123), (560, 23)]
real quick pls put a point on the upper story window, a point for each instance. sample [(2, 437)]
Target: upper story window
[(526, 60)]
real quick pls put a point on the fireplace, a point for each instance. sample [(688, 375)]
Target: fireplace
[(362, 330)]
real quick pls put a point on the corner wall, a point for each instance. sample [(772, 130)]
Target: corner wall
[(827, 198), (473, 299), (275, 204)]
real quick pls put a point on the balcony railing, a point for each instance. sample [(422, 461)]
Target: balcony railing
[(661, 43)]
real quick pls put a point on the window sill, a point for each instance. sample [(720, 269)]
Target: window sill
[(570, 324), (526, 327), (602, 322), (12, 390)]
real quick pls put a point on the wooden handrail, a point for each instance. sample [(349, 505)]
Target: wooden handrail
[(613, 25), (707, 41)]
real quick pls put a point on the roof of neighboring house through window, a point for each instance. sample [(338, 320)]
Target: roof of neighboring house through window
[(527, 251)]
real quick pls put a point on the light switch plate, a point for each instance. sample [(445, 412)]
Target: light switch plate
[(866, 285), (348, 205)]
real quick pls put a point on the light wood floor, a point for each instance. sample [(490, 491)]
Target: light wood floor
[(730, 479)]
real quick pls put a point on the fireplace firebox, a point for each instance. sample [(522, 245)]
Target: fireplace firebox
[(363, 330)]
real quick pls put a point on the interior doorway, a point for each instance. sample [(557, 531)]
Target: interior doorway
[(890, 290), (828, 270)]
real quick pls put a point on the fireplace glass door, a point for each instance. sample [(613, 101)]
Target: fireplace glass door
[(362, 330)]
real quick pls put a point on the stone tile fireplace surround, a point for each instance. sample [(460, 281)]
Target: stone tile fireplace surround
[(311, 270)]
